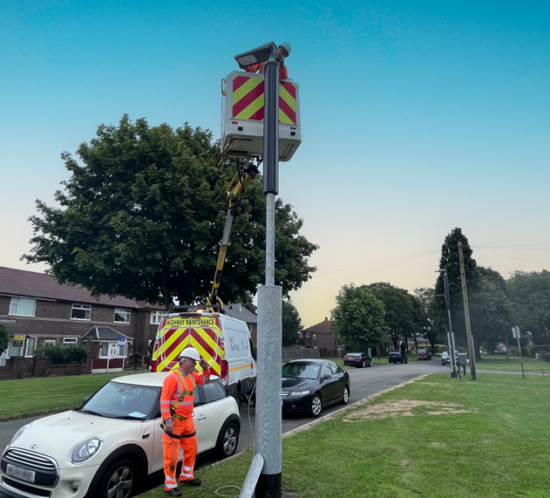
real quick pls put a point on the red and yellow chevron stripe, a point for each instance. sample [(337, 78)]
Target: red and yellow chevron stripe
[(248, 99), (172, 341)]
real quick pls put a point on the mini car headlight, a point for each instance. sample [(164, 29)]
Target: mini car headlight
[(19, 432), (298, 393), (86, 449)]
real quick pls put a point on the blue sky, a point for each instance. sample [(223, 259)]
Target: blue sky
[(417, 117)]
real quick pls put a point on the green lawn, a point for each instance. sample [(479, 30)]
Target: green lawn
[(37, 396), (498, 362), (437, 437)]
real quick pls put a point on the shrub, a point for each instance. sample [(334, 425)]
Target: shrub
[(4, 338), (57, 354)]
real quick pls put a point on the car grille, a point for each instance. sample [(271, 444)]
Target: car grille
[(31, 460)]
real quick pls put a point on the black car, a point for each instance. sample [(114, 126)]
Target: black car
[(397, 357), (309, 385), (358, 360)]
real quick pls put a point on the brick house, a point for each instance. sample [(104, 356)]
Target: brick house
[(320, 337), (238, 311), (37, 310)]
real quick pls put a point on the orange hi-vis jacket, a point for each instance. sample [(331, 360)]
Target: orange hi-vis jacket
[(174, 386), (283, 71)]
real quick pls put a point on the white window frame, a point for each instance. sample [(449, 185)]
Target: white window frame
[(50, 342), (121, 311), (85, 307), (157, 317), (16, 300), (108, 345), (67, 341), (30, 340)]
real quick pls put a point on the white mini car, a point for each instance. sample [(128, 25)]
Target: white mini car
[(112, 444)]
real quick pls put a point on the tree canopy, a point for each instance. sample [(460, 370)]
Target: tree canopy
[(142, 216), (358, 318), (292, 323), (404, 315)]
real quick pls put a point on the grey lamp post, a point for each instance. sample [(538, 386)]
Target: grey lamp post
[(268, 384)]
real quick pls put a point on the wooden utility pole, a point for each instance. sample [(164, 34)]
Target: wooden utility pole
[(471, 352)]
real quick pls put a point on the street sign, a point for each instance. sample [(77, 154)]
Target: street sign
[(515, 333), (18, 340), (121, 341)]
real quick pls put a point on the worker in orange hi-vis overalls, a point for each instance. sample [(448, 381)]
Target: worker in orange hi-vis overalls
[(283, 51), (176, 406)]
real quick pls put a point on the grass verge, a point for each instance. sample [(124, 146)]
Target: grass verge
[(41, 396), (437, 437), (498, 362)]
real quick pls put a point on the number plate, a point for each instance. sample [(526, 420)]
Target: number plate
[(19, 473)]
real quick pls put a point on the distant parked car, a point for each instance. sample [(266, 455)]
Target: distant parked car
[(397, 357), (424, 354), (445, 358), (309, 385), (500, 351), (358, 360)]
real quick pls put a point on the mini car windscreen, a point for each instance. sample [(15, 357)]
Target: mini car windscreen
[(421, 351), (301, 370), (117, 400)]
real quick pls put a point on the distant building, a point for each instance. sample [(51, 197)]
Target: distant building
[(320, 337), (37, 310)]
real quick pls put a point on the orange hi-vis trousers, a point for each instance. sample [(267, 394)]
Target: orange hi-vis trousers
[(171, 447)]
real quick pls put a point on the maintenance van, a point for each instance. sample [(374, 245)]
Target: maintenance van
[(224, 342)]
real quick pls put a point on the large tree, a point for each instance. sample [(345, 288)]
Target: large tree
[(142, 214), (530, 295), (292, 323), (449, 262), (490, 309), (358, 318), (424, 301), (403, 314)]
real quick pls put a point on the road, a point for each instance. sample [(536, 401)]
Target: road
[(364, 382)]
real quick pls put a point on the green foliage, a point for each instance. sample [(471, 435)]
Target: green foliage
[(358, 318), (292, 324), (4, 338), (58, 354), (404, 315), (144, 214), (449, 261), (530, 295)]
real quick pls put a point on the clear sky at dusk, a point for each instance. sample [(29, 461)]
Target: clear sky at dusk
[(417, 117)]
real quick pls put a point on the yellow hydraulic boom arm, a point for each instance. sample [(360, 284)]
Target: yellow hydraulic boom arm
[(235, 192)]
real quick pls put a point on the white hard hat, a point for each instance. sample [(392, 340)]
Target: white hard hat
[(286, 46), (190, 353)]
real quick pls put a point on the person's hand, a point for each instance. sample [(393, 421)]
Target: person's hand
[(169, 425), (203, 364)]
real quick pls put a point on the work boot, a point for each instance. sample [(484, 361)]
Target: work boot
[(174, 492), (193, 482)]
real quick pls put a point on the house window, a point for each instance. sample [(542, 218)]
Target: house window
[(81, 312), (157, 317), (50, 342), (314, 336), (22, 307), (67, 341), (31, 346), (122, 316), (122, 351), (14, 348)]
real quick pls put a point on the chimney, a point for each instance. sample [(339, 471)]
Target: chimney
[(326, 319)]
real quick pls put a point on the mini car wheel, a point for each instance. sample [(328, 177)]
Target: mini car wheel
[(402, 362), (345, 396), (364, 364), (228, 440), (119, 480), (316, 405)]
